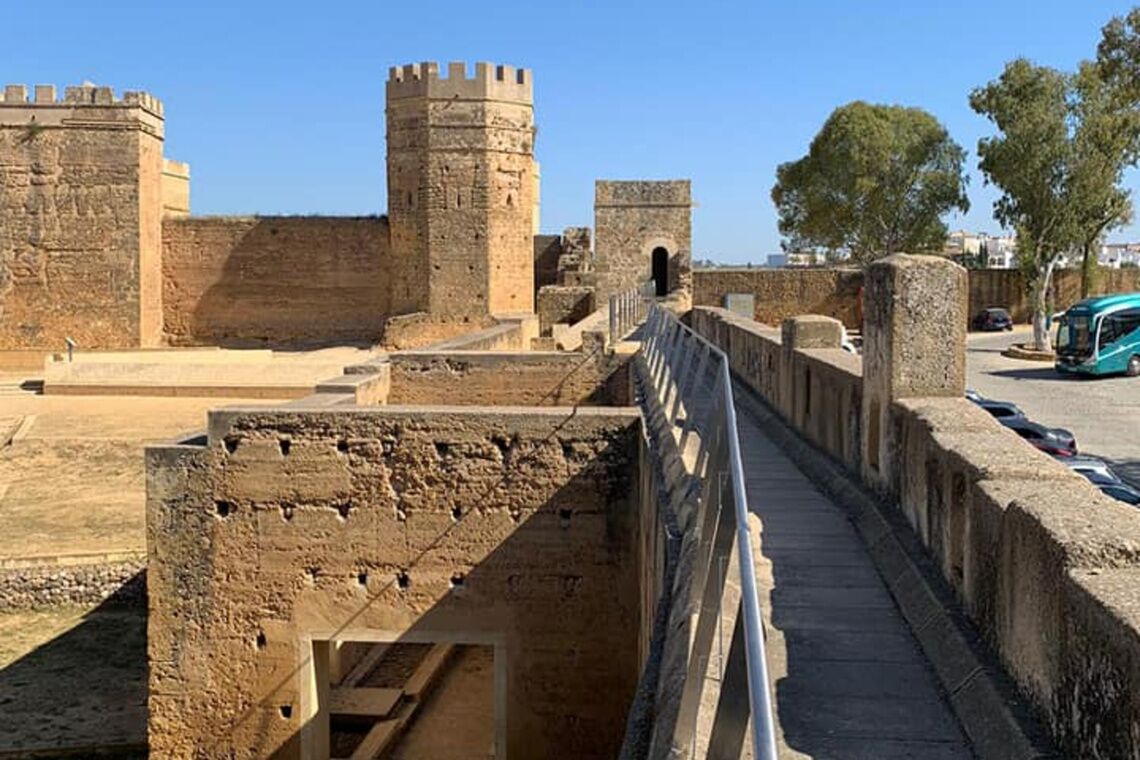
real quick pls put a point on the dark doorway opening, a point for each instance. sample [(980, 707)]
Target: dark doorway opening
[(661, 271)]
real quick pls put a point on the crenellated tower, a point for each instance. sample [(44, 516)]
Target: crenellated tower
[(462, 189), (80, 217)]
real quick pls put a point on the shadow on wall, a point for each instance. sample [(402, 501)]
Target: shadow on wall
[(553, 590), (85, 690), (275, 282)]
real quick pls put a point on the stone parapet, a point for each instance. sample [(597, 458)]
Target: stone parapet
[(83, 106), (491, 82), (1043, 564)]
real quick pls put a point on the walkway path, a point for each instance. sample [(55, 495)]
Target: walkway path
[(850, 681)]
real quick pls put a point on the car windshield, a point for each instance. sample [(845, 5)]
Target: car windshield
[(1073, 336)]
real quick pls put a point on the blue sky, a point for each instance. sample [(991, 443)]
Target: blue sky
[(279, 106)]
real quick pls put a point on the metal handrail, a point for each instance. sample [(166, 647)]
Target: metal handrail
[(627, 310), (678, 364)]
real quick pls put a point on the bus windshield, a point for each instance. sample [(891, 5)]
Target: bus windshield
[(1074, 336)]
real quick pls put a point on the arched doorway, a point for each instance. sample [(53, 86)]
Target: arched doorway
[(660, 265)]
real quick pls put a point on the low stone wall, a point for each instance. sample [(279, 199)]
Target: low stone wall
[(55, 585), (558, 304), (1043, 563), (513, 333), (817, 390), (482, 378), (784, 293), (410, 331)]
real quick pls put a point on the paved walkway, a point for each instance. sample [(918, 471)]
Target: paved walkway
[(850, 680)]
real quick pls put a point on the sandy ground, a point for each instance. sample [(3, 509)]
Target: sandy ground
[(73, 678), (72, 481)]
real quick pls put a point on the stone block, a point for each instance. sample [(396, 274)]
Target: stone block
[(811, 331), (743, 304), (1044, 529), (1098, 705), (914, 345)]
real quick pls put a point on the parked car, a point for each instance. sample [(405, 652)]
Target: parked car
[(1055, 441), (1000, 409), (1096, 470), (847, 344), (972, 395), (1122, 492), (993, 320)]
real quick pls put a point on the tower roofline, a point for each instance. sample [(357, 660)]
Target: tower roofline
[(491, 82)]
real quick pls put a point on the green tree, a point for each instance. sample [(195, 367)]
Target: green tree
[(1118, 56), (1059, 160), (876, 180), (1104, 142), (1029, 162)]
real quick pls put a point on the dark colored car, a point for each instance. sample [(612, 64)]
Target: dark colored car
[(1000, 409), (1055, 441), (1098, 471), (993, 320), (1122, 492)]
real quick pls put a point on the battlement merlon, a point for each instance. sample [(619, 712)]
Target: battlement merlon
[(491, 82), (81, 105)]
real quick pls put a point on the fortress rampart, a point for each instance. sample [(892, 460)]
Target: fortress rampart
[(80, 199)]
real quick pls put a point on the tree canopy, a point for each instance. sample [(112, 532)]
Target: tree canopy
[(876, 180), (1059, 159)]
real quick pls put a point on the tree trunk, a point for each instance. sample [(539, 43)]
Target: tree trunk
[(1041, 307), (1088, 270)]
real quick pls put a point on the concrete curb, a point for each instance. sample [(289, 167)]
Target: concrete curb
[(1018, 351), (995, 717)]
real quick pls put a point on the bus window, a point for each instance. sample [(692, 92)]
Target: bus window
[(1073, 336), (1108, 332)]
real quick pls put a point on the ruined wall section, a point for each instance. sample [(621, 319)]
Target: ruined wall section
[(175, 188), (291, 525), (462, 189), (80, 216), (631, 219), (275, 281)]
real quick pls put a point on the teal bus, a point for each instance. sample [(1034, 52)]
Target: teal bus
[(1101, 336)]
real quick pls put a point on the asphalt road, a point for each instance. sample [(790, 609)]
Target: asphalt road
[(1103, 413)]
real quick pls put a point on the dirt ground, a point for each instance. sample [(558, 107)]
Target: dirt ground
[(72, 480), (73, 678)]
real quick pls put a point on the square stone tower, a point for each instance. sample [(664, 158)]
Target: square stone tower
[(643, 230), (80, 218), (462, 189)]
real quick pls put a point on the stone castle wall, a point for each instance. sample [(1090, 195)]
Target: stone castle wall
[(80, 216), (258, 547), (275, 281), (784, 293), (631, 219), (175, 188), (462, 189)]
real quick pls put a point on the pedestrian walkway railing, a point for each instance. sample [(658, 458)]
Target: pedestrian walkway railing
[(681, 366), (627, 310)]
